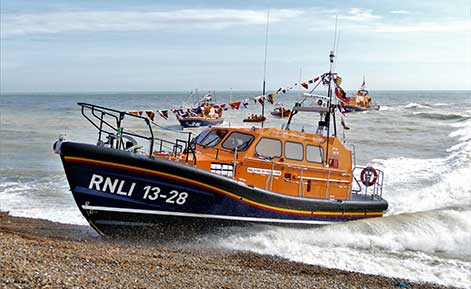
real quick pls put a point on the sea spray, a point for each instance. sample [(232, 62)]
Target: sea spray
[(405, 246)]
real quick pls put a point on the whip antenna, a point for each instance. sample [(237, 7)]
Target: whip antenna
[(265, 62)]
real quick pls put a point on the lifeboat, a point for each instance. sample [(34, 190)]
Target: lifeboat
[(281, 111), (223, 176), (255, 118), (360, 101), (204, 113)]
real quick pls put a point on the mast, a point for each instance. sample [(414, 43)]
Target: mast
[(265, 63), (329, 93)]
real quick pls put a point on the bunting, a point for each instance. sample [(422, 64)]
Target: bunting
[(261, 100), (342, 122), (150, 114), (340, 93), (341, 107), (192, 111), (164, 113), (235, 104)]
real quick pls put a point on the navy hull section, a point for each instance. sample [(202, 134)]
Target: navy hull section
[(198, 122), (114, 188), (352, 108)]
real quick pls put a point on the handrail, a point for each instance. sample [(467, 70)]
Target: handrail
[(97, 115)]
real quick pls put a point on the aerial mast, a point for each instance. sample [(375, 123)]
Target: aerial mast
[(329, 93), (265, 64)]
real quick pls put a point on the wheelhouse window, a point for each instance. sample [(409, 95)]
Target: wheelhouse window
[(294, 150), (314, 154), (238, 140), (268, 147), (201, 136), (213, 138)]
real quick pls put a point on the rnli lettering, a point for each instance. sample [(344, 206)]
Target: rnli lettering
[(110, 185), (120, 187)]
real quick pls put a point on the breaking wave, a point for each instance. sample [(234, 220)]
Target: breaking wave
[(440, 116), (414, 105), (424, 237), (36, 193), (404, 246)]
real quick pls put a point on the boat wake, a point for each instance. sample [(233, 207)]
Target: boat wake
[(424, 237), (406, 246)]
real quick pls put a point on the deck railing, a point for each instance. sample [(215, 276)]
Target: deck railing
[(114, 134)]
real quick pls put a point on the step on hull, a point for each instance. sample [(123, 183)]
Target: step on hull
[(122, 191)]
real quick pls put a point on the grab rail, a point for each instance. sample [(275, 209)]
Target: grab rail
[(109, 122), (376, 188)]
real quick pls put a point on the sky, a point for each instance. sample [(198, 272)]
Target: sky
[(78, 46)]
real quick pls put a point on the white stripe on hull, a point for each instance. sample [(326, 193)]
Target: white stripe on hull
[(180, 214)]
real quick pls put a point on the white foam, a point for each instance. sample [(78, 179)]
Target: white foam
[(416, 105), (404, 246), (38, 199)]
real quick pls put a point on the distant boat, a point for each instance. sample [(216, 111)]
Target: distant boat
[(255, 118), (281, 111), (204, 113), (360, 101)]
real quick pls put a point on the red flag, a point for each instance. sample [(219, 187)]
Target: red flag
[(341, 107), (150, 114), (261, 100), (305, 85), (235, 104), (164, 113), (341, 94)]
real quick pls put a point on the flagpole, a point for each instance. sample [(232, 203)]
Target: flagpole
[(265, 64)]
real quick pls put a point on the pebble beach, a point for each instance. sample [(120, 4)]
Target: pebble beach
[(36, 253)]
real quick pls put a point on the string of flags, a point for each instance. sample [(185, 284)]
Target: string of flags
[(244, 103), (235, 105)]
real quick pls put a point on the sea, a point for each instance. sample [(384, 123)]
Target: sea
[(420, 139)]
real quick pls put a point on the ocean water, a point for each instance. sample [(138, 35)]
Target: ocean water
[(420, 139)]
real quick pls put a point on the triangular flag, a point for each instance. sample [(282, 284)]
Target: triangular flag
[(150, 114), (271, 98), (235, 104), (260, 99), (164, 113), (340, 93), (305, 85)]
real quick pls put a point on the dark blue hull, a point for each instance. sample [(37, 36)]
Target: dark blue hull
[(117, 189), (352, 108), (198, 122)]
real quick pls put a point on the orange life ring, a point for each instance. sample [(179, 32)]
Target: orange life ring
[(369, 176)]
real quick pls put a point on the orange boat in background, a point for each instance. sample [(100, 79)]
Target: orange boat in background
[(360, 101), (281, 111), (224, 176)]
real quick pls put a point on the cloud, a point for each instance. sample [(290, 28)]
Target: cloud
[(60, 22), (360, 15), (442, 26), (399, 12)]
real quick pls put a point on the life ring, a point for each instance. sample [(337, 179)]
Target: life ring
[(369, 176)]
